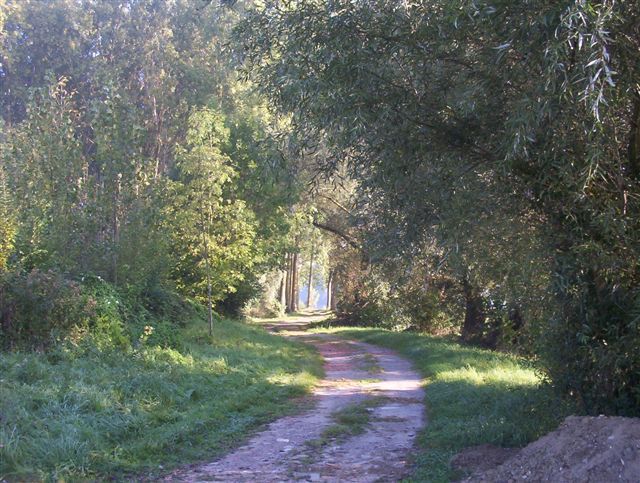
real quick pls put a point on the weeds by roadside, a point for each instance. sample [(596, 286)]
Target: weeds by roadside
[(348, 421)]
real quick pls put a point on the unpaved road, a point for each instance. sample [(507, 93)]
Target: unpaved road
[(355, 372)]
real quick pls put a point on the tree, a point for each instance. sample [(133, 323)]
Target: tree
[(451, 114), (214, 233), (96, 99)]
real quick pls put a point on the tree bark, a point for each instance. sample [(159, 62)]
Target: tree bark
[(339, 205), (209, 301), (286, 282), (289, 288), (282, 294), (294, 289), (634, 138), (116, 229), (334, 301), (329, 284), (205, 242), (313, 250), (349, 239), (474, 314)]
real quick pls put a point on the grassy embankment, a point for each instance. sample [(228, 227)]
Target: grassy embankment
[(144, 410), (473, 397)]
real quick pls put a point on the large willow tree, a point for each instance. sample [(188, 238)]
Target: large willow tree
[(499, 136)]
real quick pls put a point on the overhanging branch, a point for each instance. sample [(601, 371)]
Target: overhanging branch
[(349, 239)]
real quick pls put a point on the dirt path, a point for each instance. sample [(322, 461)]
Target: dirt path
[(301, 447)]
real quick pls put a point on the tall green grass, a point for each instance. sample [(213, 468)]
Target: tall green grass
[(473, 397), (70, 415)]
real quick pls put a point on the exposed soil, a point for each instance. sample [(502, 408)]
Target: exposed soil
[(288, 449), (482, 458), (583, 449)]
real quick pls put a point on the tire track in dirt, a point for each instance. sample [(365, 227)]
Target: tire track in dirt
[(354, 372)]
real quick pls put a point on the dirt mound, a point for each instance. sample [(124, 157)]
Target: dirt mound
[(583, 449)]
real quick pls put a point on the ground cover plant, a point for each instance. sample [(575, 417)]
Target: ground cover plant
[(93, 413), (347, 422), (473, 396)]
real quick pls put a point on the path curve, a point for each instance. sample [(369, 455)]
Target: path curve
[(354, 372)]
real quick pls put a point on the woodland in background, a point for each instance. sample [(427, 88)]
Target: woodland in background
[(449, 166), (135, 169)]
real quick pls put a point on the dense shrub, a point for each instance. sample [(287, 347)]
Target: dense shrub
[(373, 303), (169, 305), (266, 302), (259, 307), (606, 376), (41, 308), (234, 302), (38, 307), (407, 303)]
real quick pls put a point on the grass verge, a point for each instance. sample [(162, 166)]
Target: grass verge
[(473, 397), (65, 415)]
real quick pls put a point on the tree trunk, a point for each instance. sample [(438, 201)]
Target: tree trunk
[(329, 288), (289, 283), (209, 301), (334, 290), (295, 294), (286, 282), (282, 292), (116, 229), (634, 139), (345, 236), (292, 288), (313, 249), (205, 242), (474, 314)]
